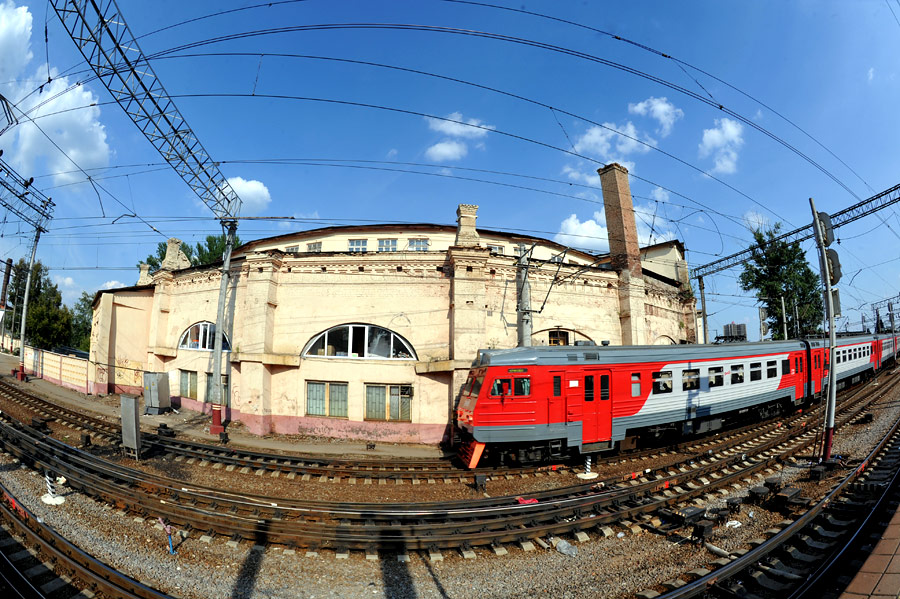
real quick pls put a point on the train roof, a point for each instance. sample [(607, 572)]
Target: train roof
[(624, 354)]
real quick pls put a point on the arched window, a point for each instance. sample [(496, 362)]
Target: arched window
[(360, 341), (202, 336)]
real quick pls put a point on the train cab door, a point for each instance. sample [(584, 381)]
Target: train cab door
[(597, 413)]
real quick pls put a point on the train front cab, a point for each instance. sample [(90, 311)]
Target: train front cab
[(535, 413)]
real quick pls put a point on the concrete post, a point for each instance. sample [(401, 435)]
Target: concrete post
[(523, 305)]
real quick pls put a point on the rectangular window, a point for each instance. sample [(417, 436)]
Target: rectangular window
[(522, 387), (557, 259), (292, 249), (387, 245), (326, 399), (557, 386), (785, 367), (737, 374), (314, 248), (495, 249), (755, 371), (662, 381), (388, 402), (635, 384), (501, 387), (589, 388), (604, 387), (188, 386), (690, 379), (771, 369), (517, 250), (716, 376), (358, 245), (418, 245), (209, 388), (558, 337)]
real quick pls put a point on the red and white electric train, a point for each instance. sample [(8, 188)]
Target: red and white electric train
[(532, 404)]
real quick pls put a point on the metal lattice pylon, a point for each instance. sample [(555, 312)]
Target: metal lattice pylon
[(845, 216), (106, 42)]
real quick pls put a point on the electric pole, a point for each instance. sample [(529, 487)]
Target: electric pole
[(523, 294), (784, 319), (703, 309)]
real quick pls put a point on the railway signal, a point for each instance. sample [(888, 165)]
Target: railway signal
[(830, 267)]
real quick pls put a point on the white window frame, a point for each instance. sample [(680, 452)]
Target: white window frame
[(292, 249), (387, 245), (314, 247), (419, 244), (205, 338), (357, 246), (495, 249), (398, 342)]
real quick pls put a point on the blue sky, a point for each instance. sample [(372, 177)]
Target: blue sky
[(285, 132)]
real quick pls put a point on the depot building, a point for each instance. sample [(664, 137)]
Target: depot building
[(368, 331)]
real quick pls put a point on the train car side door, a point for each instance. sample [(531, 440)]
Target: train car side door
[(597, 423), (556, 402)]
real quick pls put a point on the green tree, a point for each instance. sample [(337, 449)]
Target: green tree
[(779, 269), (49, 322), (82, 317), (208, 252)]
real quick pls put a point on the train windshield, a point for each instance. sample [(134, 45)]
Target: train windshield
[(477, 381)]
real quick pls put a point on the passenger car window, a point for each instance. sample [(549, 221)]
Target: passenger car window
[(771, 369), (785, 367), (604, 387), (589, 388), (716, 376), (755, 371), (662, 381), (690, 379), (635, 384), (737, 374)]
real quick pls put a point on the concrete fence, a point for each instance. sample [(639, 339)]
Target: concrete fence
[(66, 371)]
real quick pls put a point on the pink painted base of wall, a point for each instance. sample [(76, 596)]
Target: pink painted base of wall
[(385, 432), (65, 384)]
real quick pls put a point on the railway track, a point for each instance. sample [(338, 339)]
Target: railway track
[(36, 562), (814, 555), (337, 469), (491, 522)]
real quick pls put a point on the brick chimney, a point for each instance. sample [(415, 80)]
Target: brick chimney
[(624, 252), (623, 241)]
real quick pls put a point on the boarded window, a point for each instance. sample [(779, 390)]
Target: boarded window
[(716, 376), (188, 384), (662, 381)]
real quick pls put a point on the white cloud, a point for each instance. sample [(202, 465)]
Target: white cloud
[(466, 128), (598, 141), (660, 109), (113, 284), (590, 234), (392, 153), (755, 221), (447, 150), (254, 195), (62, 281), (76, 129), (723, 143), (659, 194), (871, 73)]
